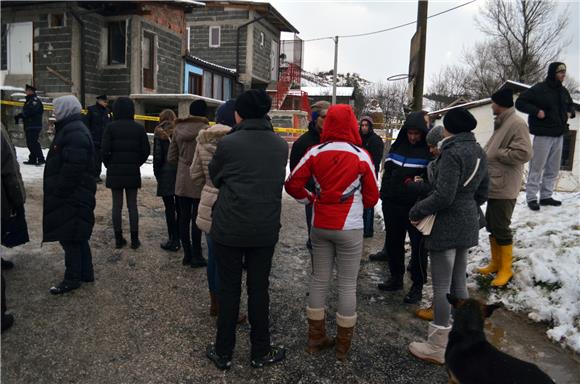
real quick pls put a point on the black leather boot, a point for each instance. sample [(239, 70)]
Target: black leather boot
[(120, 241), (135, 243)]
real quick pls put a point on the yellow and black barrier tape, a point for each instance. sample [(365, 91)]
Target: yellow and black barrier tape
[(156, 118)]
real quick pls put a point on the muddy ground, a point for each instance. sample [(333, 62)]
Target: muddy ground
[(145, 319)]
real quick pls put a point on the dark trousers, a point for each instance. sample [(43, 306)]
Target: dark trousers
[(131, 195), (213, 279), (397, 225), (368, 221), (32, 135), (3, 295), (78, 261), (308, 211), (190, 241), (498, 218), (98, 161), (171, 216), (258, 262)]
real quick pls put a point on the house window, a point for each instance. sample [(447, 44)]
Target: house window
[(148, 60), (56, 20), (195, 84), (262, 39), (218, 87), (214, 36), (227, 88), (568, 151), (207, 84), (116, 42), (188, 38)]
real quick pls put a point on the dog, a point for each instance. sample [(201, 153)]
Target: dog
[(471, 359)]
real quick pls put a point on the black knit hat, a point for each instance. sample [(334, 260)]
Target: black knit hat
[(198, 108), (102, 97), (504, 98), (459, 120), (253, 104), (28, 86)]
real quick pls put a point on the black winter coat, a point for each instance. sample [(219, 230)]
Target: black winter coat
[(96, 120), (301, 146), (249, 168), (404, 162), (460, 187), (375, 147), (32, 112), (164, 171), (125, 148), (551, 97), (69, 183)]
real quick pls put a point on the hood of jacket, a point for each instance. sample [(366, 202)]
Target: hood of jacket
[(213, 134), (415, 120), (123, 108), (189, 127), (370, 121), (66, 106), (164, 131), (552, 71), (341, 125)]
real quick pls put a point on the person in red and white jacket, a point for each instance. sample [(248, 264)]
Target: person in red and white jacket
[(345, 183)]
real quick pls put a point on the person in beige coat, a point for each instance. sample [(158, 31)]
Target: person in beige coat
[(188, 193), (206, 144), (508, 149)]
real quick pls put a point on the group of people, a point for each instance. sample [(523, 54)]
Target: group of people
[(226, 181)]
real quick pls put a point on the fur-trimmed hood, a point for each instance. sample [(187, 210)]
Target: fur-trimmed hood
[(213, 134)]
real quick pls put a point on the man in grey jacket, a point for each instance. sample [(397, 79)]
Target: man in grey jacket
[(508, 149)]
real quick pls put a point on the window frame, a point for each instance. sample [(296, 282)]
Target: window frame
[(262, 39), (106, 62), (57, 26), (153, 62), (188, 39), (219, 29)]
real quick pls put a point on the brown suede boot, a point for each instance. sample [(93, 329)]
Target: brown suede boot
[(317, 339), (214, 306), (344, 332)]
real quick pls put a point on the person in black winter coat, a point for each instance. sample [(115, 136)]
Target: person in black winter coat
[(548, 105), (407, 159), (248, 167), (165, 173), (96, 119), (303, 144), (69, 193), (125, 148), (375, 147), (31, 114)]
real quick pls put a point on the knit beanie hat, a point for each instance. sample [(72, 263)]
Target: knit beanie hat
[(318, 107), (198, 108), (504, 98), (253, 104), (225, 113), (434, 136), (66, 106), (459, 120)]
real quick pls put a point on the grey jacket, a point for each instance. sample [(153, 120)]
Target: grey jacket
[(461, 185)]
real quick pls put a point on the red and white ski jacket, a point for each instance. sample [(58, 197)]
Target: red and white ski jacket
[(343, 172)]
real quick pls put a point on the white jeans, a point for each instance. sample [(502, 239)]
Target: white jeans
[(544, 167)]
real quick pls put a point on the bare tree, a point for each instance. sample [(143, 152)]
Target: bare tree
[(391, 98), (447, 86), (526, 35)]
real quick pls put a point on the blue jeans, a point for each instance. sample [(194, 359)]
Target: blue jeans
[(368, 220), (212, 270)]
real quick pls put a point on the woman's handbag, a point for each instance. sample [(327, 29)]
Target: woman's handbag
[(14, 229), (425, 225)]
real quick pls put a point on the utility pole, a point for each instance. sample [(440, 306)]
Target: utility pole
[(420, 75), (334, 75)]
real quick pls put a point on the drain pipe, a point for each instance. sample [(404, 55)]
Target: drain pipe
[(82, 63)]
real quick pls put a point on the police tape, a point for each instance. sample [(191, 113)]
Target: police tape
[(297, 131)]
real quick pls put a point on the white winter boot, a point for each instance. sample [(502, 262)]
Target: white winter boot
[(433, 350)]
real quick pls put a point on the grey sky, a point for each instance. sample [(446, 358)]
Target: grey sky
[(378, 56)]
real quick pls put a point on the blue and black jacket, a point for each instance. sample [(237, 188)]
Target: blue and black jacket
[(405, 161)]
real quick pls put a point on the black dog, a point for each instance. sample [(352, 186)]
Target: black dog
[(471, 359)]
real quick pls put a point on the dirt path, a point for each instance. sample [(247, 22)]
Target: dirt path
[(145, 318)]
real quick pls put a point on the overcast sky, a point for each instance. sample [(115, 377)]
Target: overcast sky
[(378, 56)]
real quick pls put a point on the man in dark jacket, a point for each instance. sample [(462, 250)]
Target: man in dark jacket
[(69, 193), (375, 147), (548, 105), (248, 167), (96, 119), (125, 148), (31, 114), (301, 146), (406, 161)]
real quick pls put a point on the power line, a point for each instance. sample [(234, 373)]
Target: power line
[(391, 28)]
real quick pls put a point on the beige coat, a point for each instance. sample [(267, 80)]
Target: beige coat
[(508, 149), (181, 151), (206, 144)]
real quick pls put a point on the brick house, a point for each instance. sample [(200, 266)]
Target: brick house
[(240, 35)]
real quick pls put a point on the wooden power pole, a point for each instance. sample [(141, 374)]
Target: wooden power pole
[(420, 65)]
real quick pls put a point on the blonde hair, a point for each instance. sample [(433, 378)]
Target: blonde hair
[(167, 114)]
